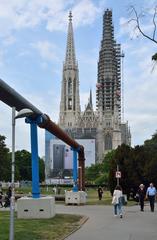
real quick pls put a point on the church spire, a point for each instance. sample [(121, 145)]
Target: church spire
[(90, 98), (70, 49), (70, 99)]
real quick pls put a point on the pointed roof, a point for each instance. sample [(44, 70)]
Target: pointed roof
[(90, 97), (70, 49), (90, 104)]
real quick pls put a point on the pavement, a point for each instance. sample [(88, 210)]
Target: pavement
[(103, 225)]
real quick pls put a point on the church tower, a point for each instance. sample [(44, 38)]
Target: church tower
[(101, 130), (108, 92), (108, 96), (70, 99)]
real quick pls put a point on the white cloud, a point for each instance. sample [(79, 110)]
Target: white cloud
[(85, 12), (128, 25), (9, 40), (46, 49), (17, 15), (140, 92), (128, 28), (2, 57), (24, 52), (23, 129)]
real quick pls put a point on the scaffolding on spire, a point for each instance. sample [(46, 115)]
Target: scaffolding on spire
[(122, 84)]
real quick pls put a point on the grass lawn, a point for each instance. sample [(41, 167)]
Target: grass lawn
[(92, 196), (56, 228)]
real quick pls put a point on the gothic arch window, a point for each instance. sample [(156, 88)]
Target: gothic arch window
[(108, 142), (69, 104), (69, 86)]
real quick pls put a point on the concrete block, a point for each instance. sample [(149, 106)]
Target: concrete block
[(43, 207), (75, 197)]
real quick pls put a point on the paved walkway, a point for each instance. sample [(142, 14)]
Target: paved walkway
[(102, 225)]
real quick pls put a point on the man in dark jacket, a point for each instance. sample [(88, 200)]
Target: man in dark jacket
[(100, 192), (141, 194)]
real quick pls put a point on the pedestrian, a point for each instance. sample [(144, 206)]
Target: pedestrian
[(1, 198), (9, 192), (8, 197), (100, 192), (117, 201), (151, 194), (141, 195)]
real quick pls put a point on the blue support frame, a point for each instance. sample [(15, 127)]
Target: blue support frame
[(75, 187), (35, 158)]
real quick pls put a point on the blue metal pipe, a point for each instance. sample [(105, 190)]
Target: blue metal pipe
[(35, 158), (35, 161), (13, 99), (75, 186)]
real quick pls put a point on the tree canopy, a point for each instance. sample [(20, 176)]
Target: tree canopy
[(5, 167), (23, 168), (137, 165)]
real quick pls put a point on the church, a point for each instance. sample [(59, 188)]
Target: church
[(104, 124)]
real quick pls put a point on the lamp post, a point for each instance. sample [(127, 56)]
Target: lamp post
[(22, 113), (12, 203)]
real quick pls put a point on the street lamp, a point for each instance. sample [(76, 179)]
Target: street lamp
[(22, 113), (25, 112)]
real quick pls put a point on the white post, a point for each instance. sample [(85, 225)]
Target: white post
[(117, 177), (12, 203)]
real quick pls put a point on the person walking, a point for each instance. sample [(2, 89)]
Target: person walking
[(8, 197), (100, 192), (141, 193), (117, 201), (151, 194), (1, 198)]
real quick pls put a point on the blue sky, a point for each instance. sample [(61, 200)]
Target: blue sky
[(32, 50)]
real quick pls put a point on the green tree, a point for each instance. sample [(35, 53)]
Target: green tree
[(150, 169), (99, 173), (137, 165), (5, 164), (122, 158), (41, 170), (23, 164), (23, 167), (92, 173)]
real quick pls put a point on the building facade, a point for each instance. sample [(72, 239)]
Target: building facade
[(103, 124)]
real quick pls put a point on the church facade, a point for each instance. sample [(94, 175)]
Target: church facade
[(104, 123)]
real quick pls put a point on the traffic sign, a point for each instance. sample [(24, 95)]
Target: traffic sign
[(118, 174)]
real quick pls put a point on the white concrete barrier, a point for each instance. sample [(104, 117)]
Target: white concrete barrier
[(75, 197), (43, 207)]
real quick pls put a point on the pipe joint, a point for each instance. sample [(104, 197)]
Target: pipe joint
[(37, 120)]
